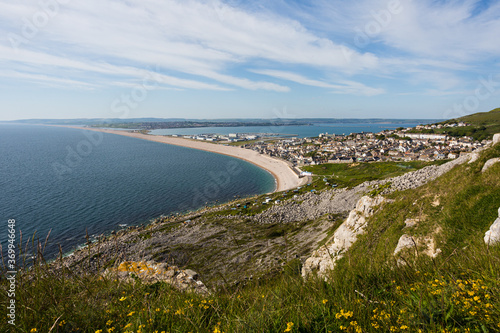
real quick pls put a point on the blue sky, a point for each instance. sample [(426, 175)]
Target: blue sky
[(248, 59)]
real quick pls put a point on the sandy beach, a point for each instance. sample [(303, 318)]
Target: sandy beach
[(285, 177)]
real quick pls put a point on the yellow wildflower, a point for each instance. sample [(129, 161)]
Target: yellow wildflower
[(325, 301), (289, 326), (131, 313), (33, 330)]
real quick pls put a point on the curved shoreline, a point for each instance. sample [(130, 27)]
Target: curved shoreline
[(284, 176)]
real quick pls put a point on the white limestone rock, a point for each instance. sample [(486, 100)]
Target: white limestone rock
[(410, 223), (405, 242), (496, 138), (489, 163), (324, 259), (492, 236), (151, 272), (473, 157), (417, 246)]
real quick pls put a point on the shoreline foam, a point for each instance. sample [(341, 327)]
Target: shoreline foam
[(284, 176)]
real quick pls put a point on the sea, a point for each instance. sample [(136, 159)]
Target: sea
[(60, 184), (71, 182), (311, 130)]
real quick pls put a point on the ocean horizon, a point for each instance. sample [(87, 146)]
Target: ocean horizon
[(300, 131)]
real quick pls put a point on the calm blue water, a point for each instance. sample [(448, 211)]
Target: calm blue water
[(299, 131), (69, 180)]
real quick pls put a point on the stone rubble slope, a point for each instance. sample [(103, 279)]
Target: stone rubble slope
[(422, 176), (310, 206)]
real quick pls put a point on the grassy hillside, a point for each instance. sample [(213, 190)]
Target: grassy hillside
[(369, 291), (483, 118), (352, 174), (484, 125)]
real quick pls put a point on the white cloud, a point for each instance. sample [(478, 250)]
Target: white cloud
[(342, 87), (55, 64), (210, 44), (451, 30), (448, 38), (46, 79), (203, 40)]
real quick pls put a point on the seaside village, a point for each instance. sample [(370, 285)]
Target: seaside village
[(388, 145)]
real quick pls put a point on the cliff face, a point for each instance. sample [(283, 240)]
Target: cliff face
[(323, 259)]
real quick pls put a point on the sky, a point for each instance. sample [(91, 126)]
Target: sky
[(248, 59)]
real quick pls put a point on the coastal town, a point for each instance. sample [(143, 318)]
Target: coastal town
[(402, 144)]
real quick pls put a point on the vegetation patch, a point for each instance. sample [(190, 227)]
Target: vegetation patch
[(353, 174), (483, 125)]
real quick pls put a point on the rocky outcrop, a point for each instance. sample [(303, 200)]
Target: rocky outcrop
[(492, 236), (324, 259), (489, 163), (496, 138), (405, 242), (416, 246), (474, 157), (410, 223), (151, 272)]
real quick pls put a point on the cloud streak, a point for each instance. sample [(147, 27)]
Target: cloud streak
[(141, 33), (342, 87)]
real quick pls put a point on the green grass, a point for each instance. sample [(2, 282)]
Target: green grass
[(358, 297), (483, 118), (484, 125), (352, 174)]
